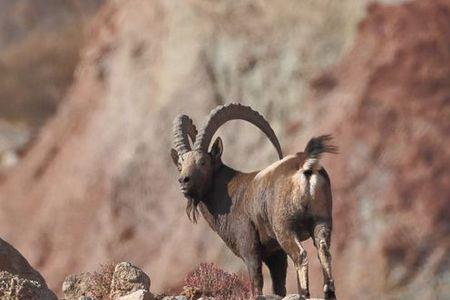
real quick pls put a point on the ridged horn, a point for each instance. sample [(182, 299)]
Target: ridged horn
[(183, 128), (233, 111)]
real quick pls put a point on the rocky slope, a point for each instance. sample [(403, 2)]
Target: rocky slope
[(39, 47), (388, 104), (40, 43), (18, 280), (98, 184)]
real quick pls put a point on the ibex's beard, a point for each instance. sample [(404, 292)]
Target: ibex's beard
[(191, 209)]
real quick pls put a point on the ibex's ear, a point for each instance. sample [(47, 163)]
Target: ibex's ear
[(174, 155), (217, 149)]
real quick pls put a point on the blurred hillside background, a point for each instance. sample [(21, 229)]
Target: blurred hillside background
[(89, 89)]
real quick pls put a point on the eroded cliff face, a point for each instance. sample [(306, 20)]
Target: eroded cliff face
[(389, 109), (99, 185), (40, 43)]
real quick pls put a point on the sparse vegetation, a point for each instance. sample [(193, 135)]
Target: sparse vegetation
[(99, 284), (210, 281)]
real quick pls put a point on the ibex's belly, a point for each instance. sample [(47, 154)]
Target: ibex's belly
[(267, 236)]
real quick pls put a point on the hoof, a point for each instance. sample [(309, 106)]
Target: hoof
[(330, 295), (328, 291)]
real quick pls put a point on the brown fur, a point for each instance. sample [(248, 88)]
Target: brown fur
[(262, 216)]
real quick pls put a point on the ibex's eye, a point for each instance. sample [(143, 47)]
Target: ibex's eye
[(202, 162)]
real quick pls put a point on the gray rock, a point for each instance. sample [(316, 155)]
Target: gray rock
[(138, 295), (127, 279), (75, 286), (175, 298), (298, 297), (294, 297), (268, 297), (13, 287), (18, 278)]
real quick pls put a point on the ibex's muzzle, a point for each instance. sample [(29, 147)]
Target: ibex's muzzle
[(185, 185), (183, 179)]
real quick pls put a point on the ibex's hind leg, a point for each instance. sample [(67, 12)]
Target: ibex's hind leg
[(292, 246), (277, 264), (322, 233), (302, 271)]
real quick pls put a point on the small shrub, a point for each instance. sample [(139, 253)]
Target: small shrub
[(210, 281), (100, 282)]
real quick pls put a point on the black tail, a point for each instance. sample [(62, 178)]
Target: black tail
[(318, 145), (314, 149)]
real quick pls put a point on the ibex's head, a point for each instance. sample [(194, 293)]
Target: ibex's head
[(197, 166)]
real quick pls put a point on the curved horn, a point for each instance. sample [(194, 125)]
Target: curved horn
[(233, 111), (183, 127)]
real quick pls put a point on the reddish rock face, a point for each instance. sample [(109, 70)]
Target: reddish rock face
[(99, 186), (389, 109)]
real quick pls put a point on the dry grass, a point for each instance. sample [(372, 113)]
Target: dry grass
[(100, 282), (210, 281)]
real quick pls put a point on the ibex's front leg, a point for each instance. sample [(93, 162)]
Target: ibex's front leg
[(252, 256), (322, 234), (277, 264), (254, 270)]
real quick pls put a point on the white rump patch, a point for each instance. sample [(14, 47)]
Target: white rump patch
[(311, 164), (315, 182)]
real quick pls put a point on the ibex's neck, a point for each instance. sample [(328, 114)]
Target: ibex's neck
[(217, 202)]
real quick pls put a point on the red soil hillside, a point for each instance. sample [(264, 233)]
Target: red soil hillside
[(388, 103)]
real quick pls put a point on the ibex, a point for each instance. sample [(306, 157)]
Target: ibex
[(261, 216)]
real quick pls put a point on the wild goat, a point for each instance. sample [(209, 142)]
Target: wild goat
[(261, 216)]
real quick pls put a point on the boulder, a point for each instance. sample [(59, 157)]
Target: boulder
[(179, 297), (13, 287), (138, 295), (298, 297), (75, 286), (294, 297), (128, 278), (268, 297), (13, 262), (18, 279)]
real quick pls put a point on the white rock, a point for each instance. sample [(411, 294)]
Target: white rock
[(298, 297), (175, 298), (138, 295), (128, 278), (268, 297), (294, 297)]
